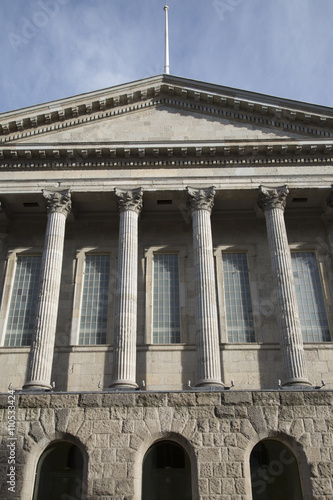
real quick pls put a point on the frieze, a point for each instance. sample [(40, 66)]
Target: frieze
[(170, 163)]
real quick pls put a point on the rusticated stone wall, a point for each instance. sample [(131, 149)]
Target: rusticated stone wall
[(217, 429)]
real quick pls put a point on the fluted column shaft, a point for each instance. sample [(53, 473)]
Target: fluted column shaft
[(200, 202), (124, 362), (272, 202), (58, 206)]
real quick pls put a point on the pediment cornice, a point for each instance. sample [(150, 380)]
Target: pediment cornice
[(171, 154), (174, 92)]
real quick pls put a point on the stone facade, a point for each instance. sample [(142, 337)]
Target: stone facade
[(217, 429), (167, 166)]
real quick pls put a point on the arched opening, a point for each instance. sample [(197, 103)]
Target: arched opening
[(274, 472), (59, 473), (166, 473)]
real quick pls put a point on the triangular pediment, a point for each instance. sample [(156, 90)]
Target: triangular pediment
[(162, 123), (166, 108)]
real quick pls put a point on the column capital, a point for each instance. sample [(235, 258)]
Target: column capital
[(129, 200), (200, 199), (58, 201), (272, 197)]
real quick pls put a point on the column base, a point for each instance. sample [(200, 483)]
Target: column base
[(296, 382), (123, 384), (210, 384), (34, 385)]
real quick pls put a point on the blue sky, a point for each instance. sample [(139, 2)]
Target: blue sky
[(50, 49)]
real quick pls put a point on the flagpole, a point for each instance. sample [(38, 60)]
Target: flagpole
[(167, 64)]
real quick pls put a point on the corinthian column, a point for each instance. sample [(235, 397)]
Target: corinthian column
[(58, 206), (124, 361), (272, 202), (200, 202)]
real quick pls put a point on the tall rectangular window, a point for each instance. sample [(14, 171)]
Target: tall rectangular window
[(21, 314), (237, 296), (95, 300), (166, 310), (310, 298)]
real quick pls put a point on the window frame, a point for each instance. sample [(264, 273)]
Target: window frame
[(250, 252), (10, 271), (321, 257), (181, 251), (79, 272)]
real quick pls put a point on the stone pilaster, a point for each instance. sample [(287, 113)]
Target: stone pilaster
[(124, 361), (272, 202), (200, 202), (58, 206)]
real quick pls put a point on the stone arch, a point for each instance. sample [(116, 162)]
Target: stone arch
[(37, 450), (176, 438), (290, 443)]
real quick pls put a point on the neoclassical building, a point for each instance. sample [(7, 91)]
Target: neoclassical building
[(166, 296)]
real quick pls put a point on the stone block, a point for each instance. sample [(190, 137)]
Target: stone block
[(151, 399), (182, 399), (64, 401), (256, 417), (111, 427), (228, 487), (266, 398), (75, 421), (206, 470), (115, 470), (153, 426), (224, 412), (291, 398), (117, 413), (322, 486), (97, 413), (61, 419), (215, 486), (209, 455), (297, 428), (122, 400), (47, 419), (234, 469), (219, 470), (90, 400), (34, 400), (36, 432), (316, 398), (135, 413), (208, 398), (237, 397), (202, 412), (103, 487)]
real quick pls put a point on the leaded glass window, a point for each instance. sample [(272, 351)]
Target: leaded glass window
[(310, 298), (95, 300), (21, 314), (237, 296), (166, 310)]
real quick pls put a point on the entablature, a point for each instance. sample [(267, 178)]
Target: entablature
[(171, 154)]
